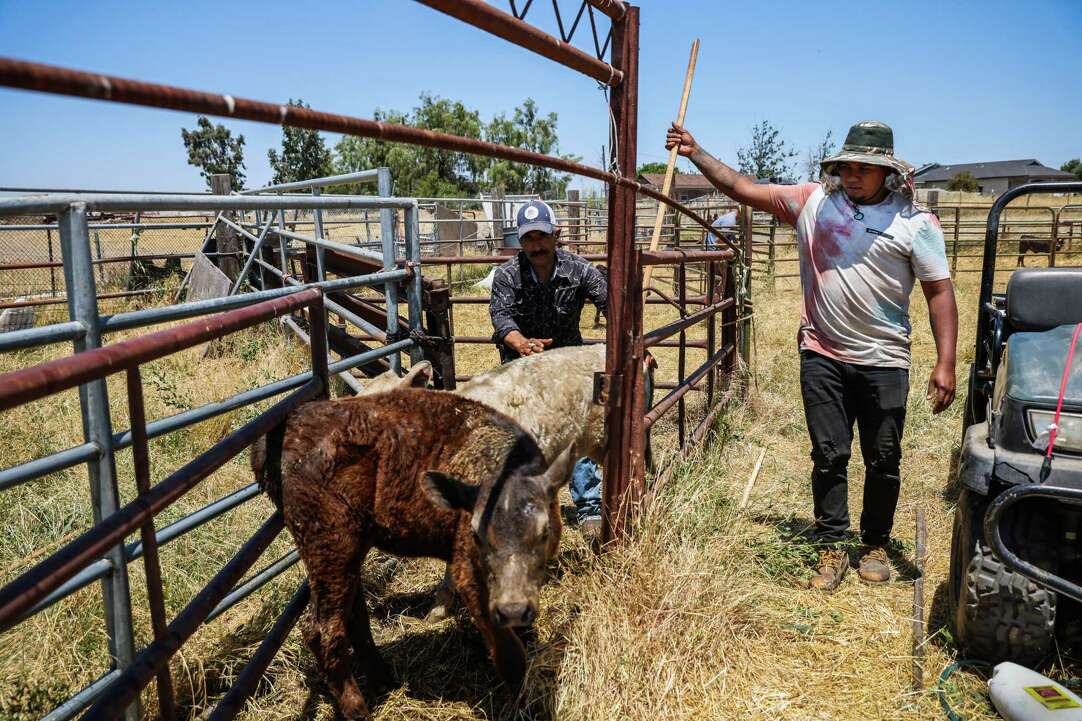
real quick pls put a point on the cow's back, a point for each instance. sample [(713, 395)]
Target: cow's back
[(550, 395)]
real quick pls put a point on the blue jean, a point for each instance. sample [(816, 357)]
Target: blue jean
[(586, 489)]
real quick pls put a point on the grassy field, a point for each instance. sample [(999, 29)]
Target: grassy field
[(703, 615)]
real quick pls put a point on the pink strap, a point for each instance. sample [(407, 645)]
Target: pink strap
[(1063, 390)]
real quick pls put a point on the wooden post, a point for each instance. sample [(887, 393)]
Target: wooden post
[(497, 220), (574, 213), (744, 217), (666, 186), (101, 266), (228, 239), (918, 603), (441, 353), (957, 222), (52, 271), (772, 252)]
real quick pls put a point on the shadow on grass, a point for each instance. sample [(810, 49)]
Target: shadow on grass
[(438, 664), (793, 553), (951, 487), (939, 630)]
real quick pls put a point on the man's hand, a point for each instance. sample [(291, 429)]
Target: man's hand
[(943, 313), (941, 388), (525, 346), (682, 140), (721, 176)]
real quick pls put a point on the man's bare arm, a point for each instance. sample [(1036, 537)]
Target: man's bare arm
[(737, 186), (943, 313)]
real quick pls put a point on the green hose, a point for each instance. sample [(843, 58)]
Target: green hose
[(942, 692), (973, 663)]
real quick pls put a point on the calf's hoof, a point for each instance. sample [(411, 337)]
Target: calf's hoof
[(438, 613)]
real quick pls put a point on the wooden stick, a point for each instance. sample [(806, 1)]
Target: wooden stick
[(751, 481), (671, 167), (918, 604)]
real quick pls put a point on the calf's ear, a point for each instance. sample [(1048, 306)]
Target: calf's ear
[(449, 492), (558, 471), (418, 376)]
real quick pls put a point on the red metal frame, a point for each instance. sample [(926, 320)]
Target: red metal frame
[(625, 471)]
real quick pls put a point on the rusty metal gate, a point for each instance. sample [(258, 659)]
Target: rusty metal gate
[(100, 553), (627, 415)]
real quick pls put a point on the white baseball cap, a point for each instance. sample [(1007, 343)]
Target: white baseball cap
[(535, 215)]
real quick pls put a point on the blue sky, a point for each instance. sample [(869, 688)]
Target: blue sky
[(959, 81)]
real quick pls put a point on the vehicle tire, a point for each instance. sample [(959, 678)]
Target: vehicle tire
[(969, 414), (998, 615)]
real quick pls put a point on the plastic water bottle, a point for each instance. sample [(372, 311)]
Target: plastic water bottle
[(1021, 694)]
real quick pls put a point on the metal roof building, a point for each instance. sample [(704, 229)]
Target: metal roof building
[(993, 177)]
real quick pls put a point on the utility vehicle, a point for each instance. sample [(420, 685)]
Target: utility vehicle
[(1016, 559)]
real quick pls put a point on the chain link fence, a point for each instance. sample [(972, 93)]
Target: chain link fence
[(133, 254)]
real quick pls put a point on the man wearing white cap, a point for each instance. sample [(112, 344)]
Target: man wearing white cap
[(537, 299), (863, 243)]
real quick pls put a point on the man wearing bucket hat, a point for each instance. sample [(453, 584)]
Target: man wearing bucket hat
[(537, 299), (862, 244)]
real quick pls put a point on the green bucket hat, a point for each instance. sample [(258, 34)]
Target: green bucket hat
[(872, 142)]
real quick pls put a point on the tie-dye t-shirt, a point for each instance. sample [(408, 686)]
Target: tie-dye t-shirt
[(857, 275)]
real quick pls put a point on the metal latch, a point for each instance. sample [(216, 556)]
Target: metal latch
[(603, 385)]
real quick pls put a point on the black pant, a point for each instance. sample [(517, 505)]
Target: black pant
[(835, 394)]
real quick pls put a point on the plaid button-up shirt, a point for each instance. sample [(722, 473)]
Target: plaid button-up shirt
[(544, 310)]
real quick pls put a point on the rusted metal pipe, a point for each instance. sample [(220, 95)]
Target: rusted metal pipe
[(679, 257), (624, 482), (248, 679), (77, 83), (63, 301), (126, 688), (681, 390), (30, 384), (30, 587), (504, 25), (102, 261), (655, 337), (481, 339), (149, 537), (615, 9)]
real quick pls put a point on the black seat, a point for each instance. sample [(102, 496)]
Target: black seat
[(1040, 299)]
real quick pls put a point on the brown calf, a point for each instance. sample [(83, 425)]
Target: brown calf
[(413, 473), (1035, 244)]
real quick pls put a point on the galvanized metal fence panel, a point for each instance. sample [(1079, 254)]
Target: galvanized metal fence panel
[(101, 554)]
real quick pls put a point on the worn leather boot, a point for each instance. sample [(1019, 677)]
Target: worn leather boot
[(833, 563), (591, 532), (874, 564)]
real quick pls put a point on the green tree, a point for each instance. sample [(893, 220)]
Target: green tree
[(766, 156), (963, 181), (818, 155), (1073, 166), (417, 171), (428, 172), (213, 149), (532, 131), (658, 167), (304, 154)]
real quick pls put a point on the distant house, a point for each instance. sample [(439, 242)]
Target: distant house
[(685, 186), (993, 178)]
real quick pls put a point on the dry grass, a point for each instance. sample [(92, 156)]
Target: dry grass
[(703, 615)]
